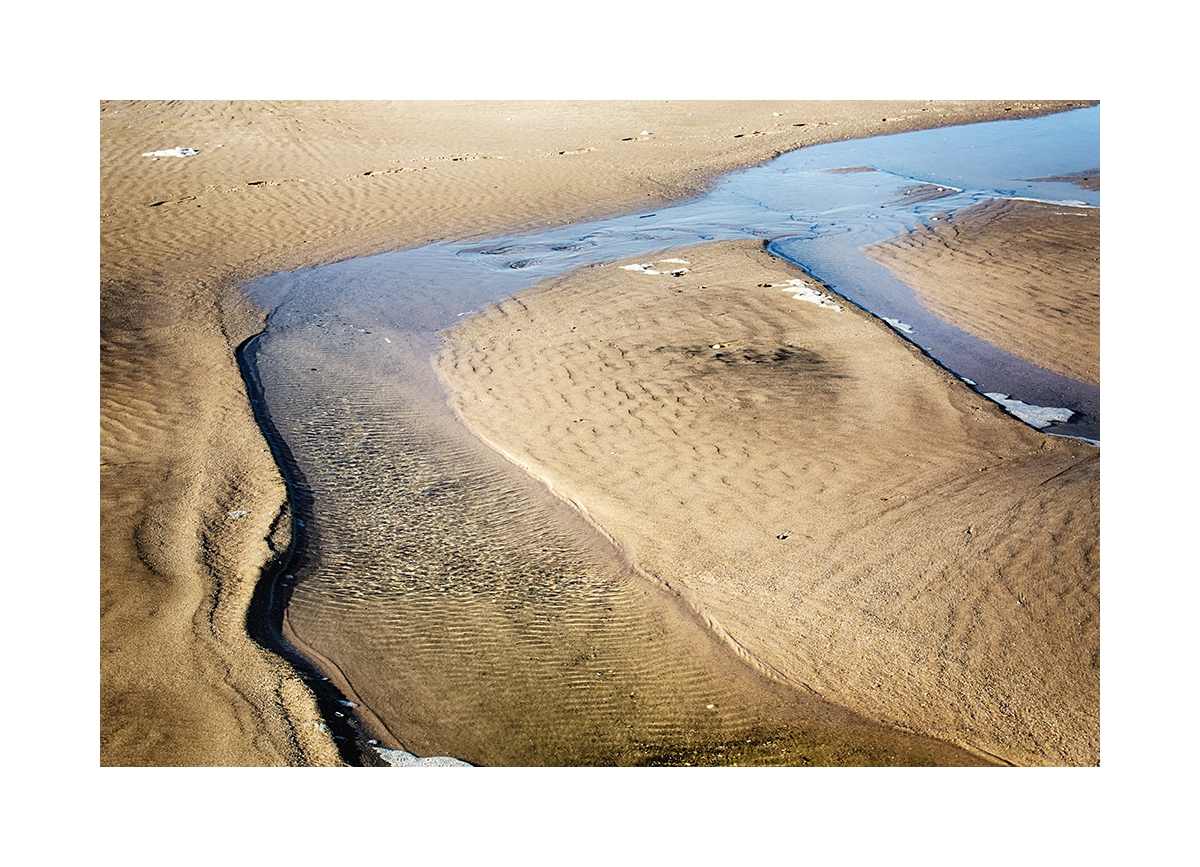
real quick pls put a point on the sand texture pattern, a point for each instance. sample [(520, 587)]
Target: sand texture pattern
[(844, 509), (192, 505), (1024, 276)]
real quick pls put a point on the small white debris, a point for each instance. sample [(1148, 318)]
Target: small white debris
[(1035, 416), (969, 381), (345, 703), (717, 346), (238, 513), (645, 132), (800, 291), (174, 152), (898, 325), (401, 759), (649, 268)]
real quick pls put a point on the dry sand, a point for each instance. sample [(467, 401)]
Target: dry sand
[(840, 506), (1024, 276), (279, 186)]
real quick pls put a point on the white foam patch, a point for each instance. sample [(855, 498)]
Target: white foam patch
[(801, 291), (173, 152), (1067, 203), (649, 267), (898, 325), (1037, 416), (401, 759)]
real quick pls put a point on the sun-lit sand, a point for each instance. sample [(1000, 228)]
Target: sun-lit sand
[(874, 605), (843, 508)]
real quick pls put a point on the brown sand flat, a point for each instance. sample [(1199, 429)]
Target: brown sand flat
[(844, 509), (286, 185), (1024, 276)]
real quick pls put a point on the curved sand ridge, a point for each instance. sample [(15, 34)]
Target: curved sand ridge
[(276, 186), (1022, 275), (847, 511)]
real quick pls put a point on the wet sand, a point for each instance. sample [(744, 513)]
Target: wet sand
[(848, 512), (1024, 276), (192, 504)]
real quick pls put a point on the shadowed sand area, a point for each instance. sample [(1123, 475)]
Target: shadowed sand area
[(850, 513), (1024, 276), (193, 507)]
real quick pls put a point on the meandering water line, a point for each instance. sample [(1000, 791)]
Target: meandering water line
[(474, 613)]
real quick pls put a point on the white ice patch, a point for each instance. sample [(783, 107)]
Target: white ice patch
[(898, 325), (800, 291), (1037, 416), (401, 759), (173, 152), (649, 267)]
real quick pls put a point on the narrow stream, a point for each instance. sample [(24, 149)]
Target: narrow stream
[(471, 614)]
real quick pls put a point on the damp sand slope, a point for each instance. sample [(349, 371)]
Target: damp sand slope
[(847, 511), (1024, 276), (278, 186)]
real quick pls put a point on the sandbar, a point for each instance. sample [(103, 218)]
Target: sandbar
[(193, 509)]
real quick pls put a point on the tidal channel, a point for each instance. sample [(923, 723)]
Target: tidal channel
[(469, 613)]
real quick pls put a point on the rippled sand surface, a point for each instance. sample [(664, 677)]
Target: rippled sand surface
[(285, 185), (472, 614)]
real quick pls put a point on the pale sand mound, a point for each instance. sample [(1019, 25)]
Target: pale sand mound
[(287, 185), (1024, 276), (850, 513)]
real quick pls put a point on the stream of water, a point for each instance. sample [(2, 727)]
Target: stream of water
[(471, 614)]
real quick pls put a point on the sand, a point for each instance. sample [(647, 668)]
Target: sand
[(192, 505), (843, 508), (1024, 276)]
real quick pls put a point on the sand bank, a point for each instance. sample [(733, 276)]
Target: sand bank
[(849, 512), (192, 505), (1024, 276)]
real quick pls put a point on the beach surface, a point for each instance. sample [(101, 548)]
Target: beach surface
[(850, 513), (1024, 276), (193, 508)]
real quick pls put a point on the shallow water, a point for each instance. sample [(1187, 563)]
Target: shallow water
[(473, 614)]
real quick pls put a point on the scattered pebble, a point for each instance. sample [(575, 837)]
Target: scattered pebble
[(238, 513)]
